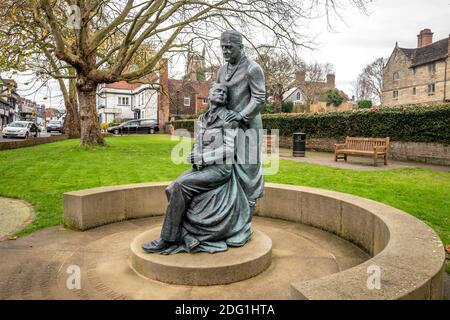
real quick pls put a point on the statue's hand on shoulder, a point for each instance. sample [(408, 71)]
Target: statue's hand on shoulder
[(233, 116)]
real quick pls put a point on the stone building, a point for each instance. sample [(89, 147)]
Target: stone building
[(418, 75)]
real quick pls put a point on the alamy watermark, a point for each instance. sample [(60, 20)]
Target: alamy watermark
[(73, 17), (228, 146), (73, 281), (374, 278)]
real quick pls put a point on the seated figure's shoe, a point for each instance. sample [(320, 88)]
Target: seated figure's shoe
[(157, 245), (190, 242)]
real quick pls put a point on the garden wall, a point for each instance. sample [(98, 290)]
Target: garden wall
[(417, 133), (433, 153), (5, 145)]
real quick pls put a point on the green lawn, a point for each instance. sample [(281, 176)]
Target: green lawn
[(41, 174)]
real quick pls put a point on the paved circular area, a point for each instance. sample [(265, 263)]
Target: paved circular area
[(202, 269), (14, 216), (47, 264)]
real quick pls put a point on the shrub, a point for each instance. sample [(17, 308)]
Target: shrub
[(113, 124), (365, 104), (268, 108), (184, 124), (287, 106), (408, 123), (333, 97)]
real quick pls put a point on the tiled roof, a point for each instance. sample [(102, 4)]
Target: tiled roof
[(122, 85), (200, 88), (430, 53)]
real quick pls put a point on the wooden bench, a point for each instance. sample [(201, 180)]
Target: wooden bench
[(367, 147)]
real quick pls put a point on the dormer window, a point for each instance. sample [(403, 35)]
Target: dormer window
[(396, 76)]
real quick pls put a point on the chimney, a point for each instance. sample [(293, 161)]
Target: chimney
[(300, 76), (424, 38), (331, 80)]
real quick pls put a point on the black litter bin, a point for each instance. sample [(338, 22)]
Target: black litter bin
[(299, 144)]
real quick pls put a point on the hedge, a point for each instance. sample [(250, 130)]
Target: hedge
[(408, 123)]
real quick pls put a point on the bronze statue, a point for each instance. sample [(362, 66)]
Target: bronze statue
[(211, 204)]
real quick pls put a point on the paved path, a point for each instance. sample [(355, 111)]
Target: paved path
[(355, 163), (14, 216), (38, 265)]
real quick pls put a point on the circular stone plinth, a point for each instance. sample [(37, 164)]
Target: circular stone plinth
[(202, 269)]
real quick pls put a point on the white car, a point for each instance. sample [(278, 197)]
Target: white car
[(20, 129)]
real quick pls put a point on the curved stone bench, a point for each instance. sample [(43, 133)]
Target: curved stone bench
[(408, 254)]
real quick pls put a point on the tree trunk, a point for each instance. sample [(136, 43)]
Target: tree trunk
[(90, 128), (277, 102), (72, 126)]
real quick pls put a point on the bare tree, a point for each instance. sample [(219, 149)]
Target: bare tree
[(311, 80), (279, 70), (369, 85), (100, 38), (26, 47)]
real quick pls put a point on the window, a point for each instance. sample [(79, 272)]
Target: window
[(124, 101), (431, 88), (414, 71), (204, 101), (187, 101), (395, 93), (414, 91), (299, 96), (432, 68), (396, 76)]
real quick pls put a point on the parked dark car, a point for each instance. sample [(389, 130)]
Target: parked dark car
[(135, 126), (55, 125)]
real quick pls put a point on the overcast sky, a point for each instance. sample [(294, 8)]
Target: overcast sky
[(363, 38), (350, 46)]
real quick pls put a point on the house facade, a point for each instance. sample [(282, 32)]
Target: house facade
[(418, 75), (122, 101), (8, 102), (187, 97), (294, 95), (300, 88)]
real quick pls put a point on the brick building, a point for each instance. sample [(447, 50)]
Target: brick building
[(418, 75), (187, 97)]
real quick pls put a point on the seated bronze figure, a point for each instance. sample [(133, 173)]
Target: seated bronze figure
[(208, 209)]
